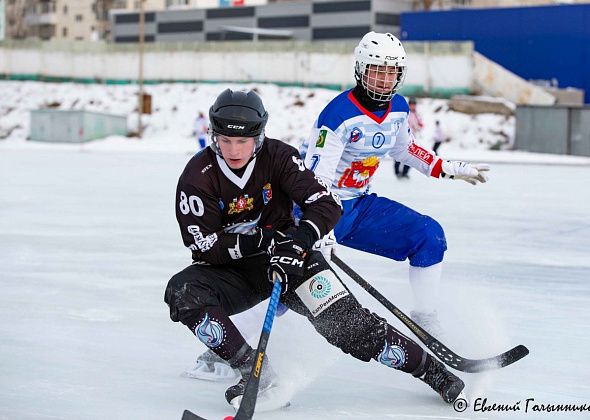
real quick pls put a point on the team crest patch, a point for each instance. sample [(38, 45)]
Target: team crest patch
[(355, 135), (209, 332), (241, 204), (321, 141), (266, 193), (393, 356), (359, 174)]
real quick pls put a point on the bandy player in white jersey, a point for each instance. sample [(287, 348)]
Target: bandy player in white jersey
[(351, 136)]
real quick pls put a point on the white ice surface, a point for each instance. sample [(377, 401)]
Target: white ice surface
[(88, 241)]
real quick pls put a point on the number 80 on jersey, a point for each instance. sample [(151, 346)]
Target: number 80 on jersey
[(192, 204)]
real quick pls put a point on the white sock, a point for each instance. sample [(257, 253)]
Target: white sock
[(425, 282)]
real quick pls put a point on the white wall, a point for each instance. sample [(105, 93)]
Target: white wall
[(308, 67)]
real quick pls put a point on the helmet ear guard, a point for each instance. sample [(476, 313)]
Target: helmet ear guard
[(237, 114), (379, 52)]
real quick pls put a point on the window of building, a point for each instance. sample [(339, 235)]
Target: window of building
[(64, 32), (66, 9), (79, 18)]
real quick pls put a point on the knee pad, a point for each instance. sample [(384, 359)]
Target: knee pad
[(432, 246), (186, 299)]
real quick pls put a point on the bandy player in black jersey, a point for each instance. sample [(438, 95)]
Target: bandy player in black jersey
[(234, 204)]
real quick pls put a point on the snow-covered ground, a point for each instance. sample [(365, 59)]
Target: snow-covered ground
[(175, 106), (88, 241)]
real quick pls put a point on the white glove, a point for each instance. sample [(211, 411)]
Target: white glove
[(325, 244), (466, 171)]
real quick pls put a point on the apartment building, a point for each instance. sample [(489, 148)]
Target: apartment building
[(83, 19), (2, 20), (49, 19), (89, 19), (67, 19)]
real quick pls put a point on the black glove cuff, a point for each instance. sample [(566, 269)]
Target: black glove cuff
[(253, 244), (305, 236)]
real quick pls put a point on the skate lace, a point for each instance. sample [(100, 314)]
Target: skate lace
[(436, 378)]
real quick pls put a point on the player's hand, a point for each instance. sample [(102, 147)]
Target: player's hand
[(263, 238), (286, 259), (468, 172), (325, 244), (253, 243)]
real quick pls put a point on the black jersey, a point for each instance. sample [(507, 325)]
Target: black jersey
[(214, 205)]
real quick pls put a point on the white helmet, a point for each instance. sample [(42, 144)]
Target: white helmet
[(383, 55)]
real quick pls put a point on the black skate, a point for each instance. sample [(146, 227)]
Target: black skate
[(269, 397), (447, 385)]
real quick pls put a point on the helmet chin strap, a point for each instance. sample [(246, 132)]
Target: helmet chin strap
[(258, 143)]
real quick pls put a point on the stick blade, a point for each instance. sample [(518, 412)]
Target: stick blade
[(502, 360), (189, 415)]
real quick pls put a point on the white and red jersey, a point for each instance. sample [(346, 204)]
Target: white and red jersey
[(347, 144)]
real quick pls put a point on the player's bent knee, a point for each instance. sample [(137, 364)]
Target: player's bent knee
[(187, 298), (433, 244), (435, 232)]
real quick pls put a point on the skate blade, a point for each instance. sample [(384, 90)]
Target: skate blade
[(270, 400), (221, 373), (463, 397)]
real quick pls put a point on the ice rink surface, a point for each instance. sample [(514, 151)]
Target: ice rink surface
[(88, 241)]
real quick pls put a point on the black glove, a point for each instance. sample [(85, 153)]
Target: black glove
[(256, 243), (287, 257)]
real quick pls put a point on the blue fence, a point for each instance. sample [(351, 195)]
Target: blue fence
[(549, 42)]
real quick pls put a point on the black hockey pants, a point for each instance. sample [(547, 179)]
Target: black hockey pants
[(203, 292)]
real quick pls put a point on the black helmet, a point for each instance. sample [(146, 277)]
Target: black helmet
[(238, 114)]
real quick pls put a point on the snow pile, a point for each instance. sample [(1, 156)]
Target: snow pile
[(175, 106)]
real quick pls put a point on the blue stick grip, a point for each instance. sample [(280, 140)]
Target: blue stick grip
[(272, 306)]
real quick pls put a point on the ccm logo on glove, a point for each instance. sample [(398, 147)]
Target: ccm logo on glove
[(287, 260)]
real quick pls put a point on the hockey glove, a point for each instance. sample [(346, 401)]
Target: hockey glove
[(255, 243), (287, 257), (466, 171), (325, 244)]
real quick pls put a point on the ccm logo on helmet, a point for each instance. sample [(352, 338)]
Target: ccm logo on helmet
[(286, 260), (388, 57), (237, 127)]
